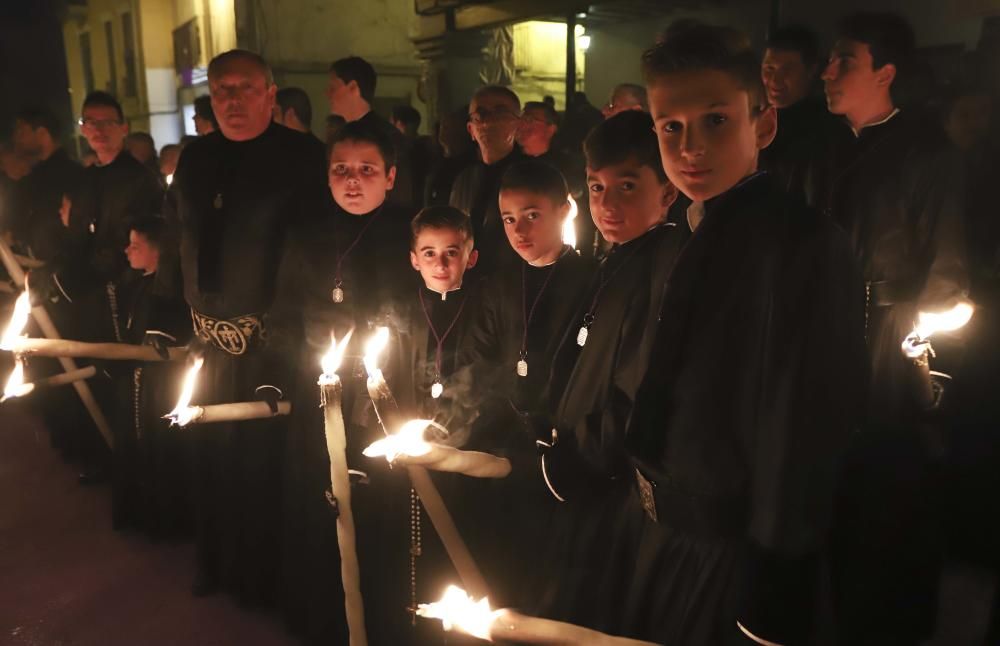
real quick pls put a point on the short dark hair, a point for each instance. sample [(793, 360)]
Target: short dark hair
[(408, 116), (627, 135), (357, 69), (99, 98), (254, 58), (152, 227), (363, 132), (799, 39), (698, 46), (551, 117), (497, 90), (40, 118), (295, 98), (441, 217), (537, 177), (203, 109), (144, 137), (889, 36), (169, 148), (637, 92)]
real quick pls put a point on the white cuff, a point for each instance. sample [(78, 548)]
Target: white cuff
[(261, 387), (163, 334), (759, 640)]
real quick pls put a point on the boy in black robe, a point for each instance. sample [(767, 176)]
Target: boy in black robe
[(603, 357), (896, 186), (235, 196), (152, 461), (343, 272), (526, 310), (735, 436)]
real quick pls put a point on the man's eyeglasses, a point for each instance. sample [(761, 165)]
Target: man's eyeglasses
[(98, 124), (480, 117)]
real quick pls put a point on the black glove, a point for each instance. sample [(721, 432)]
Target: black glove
[(270, 395), (44, 287), (159, 341)]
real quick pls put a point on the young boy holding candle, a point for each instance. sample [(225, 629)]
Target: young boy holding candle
[(341, 271), (526, 309), (733, 440)]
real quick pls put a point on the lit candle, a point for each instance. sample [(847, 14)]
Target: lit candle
[(569, 226), (84, 350), (458, 610), (917, 342), (388, 415), (184, 414), (15, 389), (410, 447), (336, 445), (18, 321)]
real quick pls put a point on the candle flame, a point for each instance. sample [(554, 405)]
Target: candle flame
[(409, 440), (569, 227), (456, 609), (929, 323), (15, 384), (183, 414), (335, 355), (170, 179), (373, 348), (18, 321)]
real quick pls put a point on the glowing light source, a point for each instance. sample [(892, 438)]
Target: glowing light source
[(18, 321), (584, 42), (373, 348), (333, 358), (930, 323), (458, 610), (409, 440), (569, 227), (183, 414), (15, 384)]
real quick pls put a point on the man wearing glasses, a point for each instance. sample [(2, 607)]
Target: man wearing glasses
[(83, 282), (494, 118)]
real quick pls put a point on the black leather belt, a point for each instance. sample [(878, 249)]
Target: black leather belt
[(883, 293), (233, 336), (696, 514)]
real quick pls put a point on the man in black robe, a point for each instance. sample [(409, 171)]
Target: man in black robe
[(351, 91), (494, 115), (234, 197), (37, 226), (790, 70), (733, 439), (895, 186)]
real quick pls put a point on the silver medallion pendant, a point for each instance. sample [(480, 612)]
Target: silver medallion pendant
[(581, 336), (436, 389), (337, 295), (522, 368), (217, 202)]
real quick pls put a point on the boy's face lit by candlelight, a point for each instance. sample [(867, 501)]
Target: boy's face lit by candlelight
[(708, 137), (533, 223), (442, 255), (627, 199), (358, 176)]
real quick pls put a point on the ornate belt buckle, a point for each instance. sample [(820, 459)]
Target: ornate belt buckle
[(646, 498)]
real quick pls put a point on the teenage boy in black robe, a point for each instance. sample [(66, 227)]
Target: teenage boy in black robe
[(234, 197), (895, 186), (735, 435), (494, 117), (351, 91), (526, 310), (603, 358), (342, 273)]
